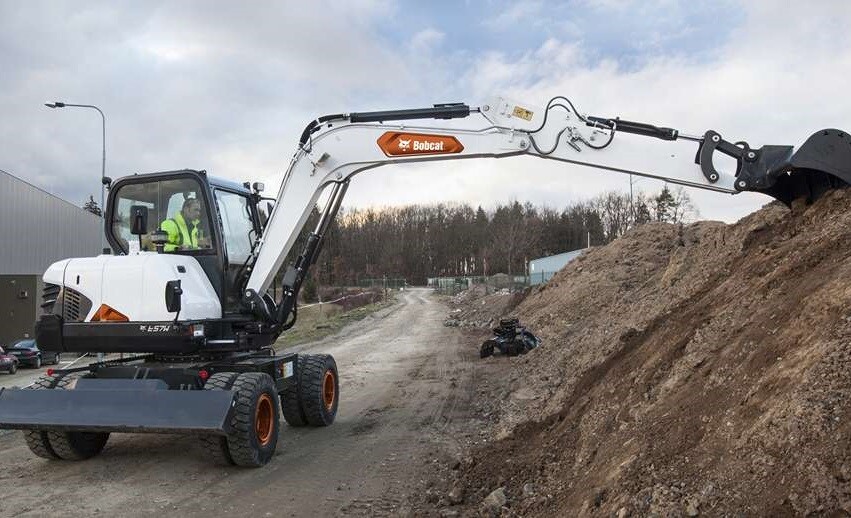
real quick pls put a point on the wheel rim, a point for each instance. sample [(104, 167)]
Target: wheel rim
[(264, 419), (329, 390)]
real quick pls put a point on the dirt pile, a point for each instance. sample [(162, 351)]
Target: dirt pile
[(476, 307), (703, 370)]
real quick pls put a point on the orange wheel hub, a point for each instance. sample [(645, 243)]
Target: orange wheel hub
[(264, 419), (329, 389)]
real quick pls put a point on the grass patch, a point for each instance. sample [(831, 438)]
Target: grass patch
[(317, 322)]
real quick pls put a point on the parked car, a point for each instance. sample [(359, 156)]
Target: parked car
[(28, 353), (8, 362)]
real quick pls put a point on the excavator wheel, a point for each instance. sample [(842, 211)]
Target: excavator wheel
[(255, 422), (291, 406), (217, 445), (487, 349), (76, 445), (319, 388), (37, 440)]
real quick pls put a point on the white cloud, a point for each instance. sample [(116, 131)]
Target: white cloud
[(765, 85), (426, 40), (228, 86), (519, 12)]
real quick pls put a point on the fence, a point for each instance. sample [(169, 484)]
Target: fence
[(383, 282), (500, 281)]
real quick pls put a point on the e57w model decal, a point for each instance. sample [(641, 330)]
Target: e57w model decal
[(395, 143), (155, 328)]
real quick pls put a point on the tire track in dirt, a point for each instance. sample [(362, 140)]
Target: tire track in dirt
[(405, 381)]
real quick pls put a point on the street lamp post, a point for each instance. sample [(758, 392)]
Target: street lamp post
[(58, 104)]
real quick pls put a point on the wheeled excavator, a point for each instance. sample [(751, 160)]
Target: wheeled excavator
[(196, 317)]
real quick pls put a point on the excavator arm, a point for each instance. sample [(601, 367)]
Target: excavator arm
[(334, 148)]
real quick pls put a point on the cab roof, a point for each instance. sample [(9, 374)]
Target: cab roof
[(214, 181)]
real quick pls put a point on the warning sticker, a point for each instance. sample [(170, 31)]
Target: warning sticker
[(522, 113)]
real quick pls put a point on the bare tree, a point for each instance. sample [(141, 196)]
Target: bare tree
[(683, 210), (614, 210)]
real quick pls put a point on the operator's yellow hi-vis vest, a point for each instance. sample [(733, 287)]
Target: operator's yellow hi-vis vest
[(179, 234)]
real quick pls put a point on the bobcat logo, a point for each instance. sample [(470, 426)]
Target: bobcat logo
[(404, 145)]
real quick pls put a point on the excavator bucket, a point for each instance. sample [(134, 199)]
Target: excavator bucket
[(822, 163), (117, 405)]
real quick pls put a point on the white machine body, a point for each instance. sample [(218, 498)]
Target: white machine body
[(134, 285)]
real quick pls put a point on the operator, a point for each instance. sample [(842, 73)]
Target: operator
[(183, 229)]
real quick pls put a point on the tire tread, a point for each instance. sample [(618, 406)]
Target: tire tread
[(37, 440), (216, 446), (241, 440), (76, 445), (312, 369)]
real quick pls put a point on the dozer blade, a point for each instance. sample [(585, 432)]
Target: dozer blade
[(108, 405)]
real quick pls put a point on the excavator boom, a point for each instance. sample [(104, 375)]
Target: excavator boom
[(334, 148)]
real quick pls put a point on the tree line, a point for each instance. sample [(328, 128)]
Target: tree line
[(415, 242), (420, 241)]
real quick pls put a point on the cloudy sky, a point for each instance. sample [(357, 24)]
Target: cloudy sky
[(228, 86)]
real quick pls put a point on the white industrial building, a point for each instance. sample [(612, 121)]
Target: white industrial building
[(542, 269)]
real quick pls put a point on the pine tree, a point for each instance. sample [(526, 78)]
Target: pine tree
[(664, 205)]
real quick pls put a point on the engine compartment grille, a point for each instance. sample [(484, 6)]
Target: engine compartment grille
[(49, 296), (73, 305)]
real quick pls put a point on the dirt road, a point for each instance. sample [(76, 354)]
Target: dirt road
[(406, 388)]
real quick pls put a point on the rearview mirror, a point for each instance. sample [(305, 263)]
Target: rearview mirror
[(138, 220)]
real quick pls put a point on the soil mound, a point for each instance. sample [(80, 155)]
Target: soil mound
[(703, 369)]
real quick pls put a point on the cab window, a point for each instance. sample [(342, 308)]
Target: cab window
[(175, 206), (237, 225)]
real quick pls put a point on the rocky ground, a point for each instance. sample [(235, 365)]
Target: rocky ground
[(697, 370)]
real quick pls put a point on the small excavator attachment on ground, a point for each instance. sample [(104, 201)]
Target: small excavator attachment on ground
[(510, 339), (186, 292)]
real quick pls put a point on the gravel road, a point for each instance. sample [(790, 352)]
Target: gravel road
[(406, 392)]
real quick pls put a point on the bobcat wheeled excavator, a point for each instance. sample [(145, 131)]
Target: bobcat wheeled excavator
[(196, 315)]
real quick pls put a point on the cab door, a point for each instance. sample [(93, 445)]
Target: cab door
[(240, 230)]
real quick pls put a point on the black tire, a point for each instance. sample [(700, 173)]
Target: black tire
[(37, 362), (291, 406), (37, 441), (487, 349), (255, 423), (319, 387), (76, 445), (217, 445), (13, 369), (55, 359)]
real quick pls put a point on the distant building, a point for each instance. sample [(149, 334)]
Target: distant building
[(36, 230), (542, 269)]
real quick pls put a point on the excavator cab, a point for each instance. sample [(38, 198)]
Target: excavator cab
[(214, 221)]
